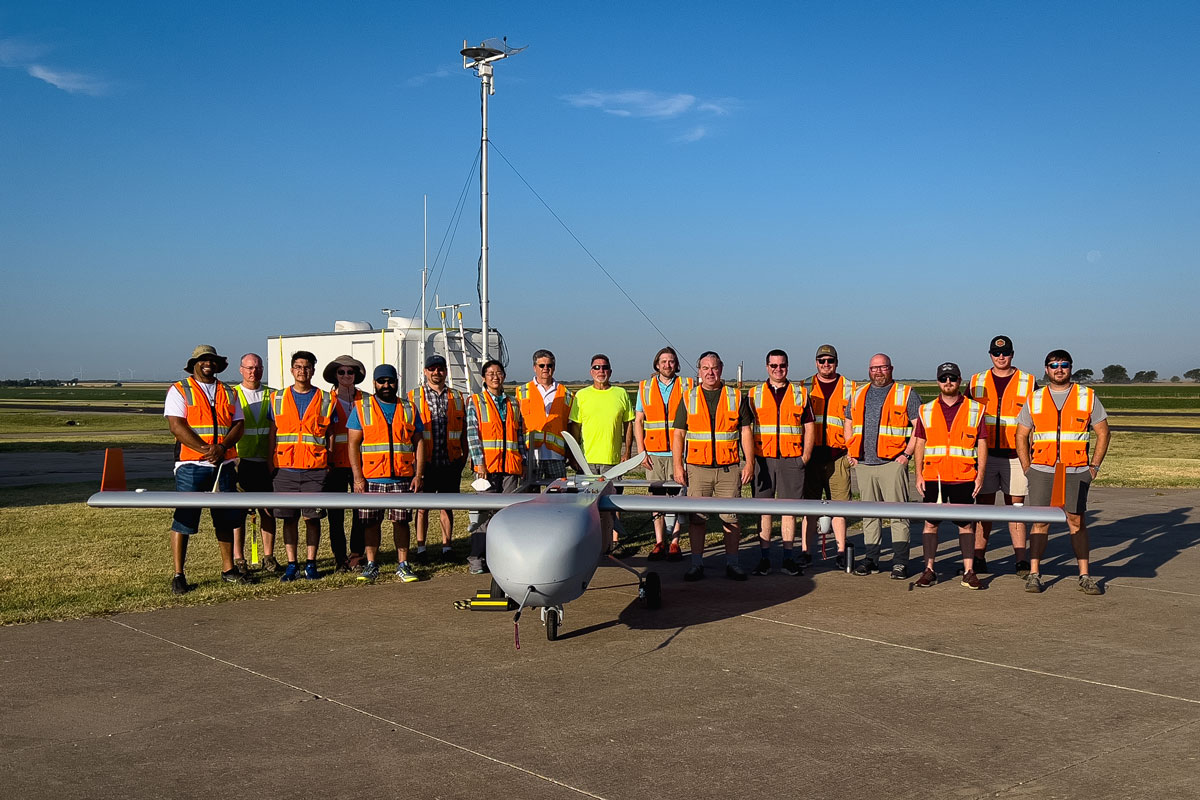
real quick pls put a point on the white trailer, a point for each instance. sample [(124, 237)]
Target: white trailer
[(404, 344)]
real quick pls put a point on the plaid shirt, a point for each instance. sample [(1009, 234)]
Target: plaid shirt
[(437, 425)]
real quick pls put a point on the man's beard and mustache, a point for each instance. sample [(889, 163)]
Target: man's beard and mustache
[(386, 393)]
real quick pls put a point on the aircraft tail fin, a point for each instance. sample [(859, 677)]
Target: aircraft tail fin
[(113, 477)]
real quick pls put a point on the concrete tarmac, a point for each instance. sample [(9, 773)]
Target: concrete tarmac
[(823, 686)]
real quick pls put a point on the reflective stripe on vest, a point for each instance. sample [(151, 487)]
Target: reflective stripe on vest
[(210, 421), (950, 453), (706, 445), (339, 450), (1061, 435), (1002, 413), (301, 442), (778, 428)]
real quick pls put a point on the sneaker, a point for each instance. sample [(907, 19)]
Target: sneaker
[(791, 567), (290, 573), (981, 567), (179, 585), (899, 572), (341, 567), (839, 561), (369, 573), (1022, 569), (674, 553), (804, 560), (694, 573), (355, 562), (928, 578), (269, 564), (1033, 583), (658, 552), (475, 565), (240, 565), (234, 576), (734, 572), (310, 571), (405, 573), (866, 567), (1088, 585), (971, 580), (763, 568)]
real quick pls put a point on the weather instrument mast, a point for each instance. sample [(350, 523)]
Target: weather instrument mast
[(480, 59)]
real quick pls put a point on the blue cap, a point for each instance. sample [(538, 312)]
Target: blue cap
[(386, 371)]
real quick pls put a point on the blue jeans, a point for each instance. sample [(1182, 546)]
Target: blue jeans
[(199, 477)]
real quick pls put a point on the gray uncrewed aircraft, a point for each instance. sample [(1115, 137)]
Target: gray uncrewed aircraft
[(543, 549)]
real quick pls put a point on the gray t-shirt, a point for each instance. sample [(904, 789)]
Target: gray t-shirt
[(873, 411), (1060, 397)]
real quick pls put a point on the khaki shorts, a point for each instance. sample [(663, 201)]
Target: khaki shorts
[(825, 479), (662, 468), (714, 482), (1004, 475)]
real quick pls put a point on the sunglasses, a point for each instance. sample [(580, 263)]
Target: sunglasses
[(544, 366), (950, 379), (994, 354), (602, 368), (1059, 365), (826, 360), (777, 366), (385, 380), (347, 372)]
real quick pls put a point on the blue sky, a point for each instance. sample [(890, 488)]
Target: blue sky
[(908, 178)]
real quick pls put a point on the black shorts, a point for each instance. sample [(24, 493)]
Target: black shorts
[(254, 476), (957, 493), (299, 480), (445, 479)]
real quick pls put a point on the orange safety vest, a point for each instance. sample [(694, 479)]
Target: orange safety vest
[(951, 453), (659, 412), (778, 429), (456, 421), (1002, 412), (542, 427), (339, 452), (701, 439), (894, 424), (830, 413), (501, 453), (302, 442), (387, 449), (1061, 436), (210, 422)]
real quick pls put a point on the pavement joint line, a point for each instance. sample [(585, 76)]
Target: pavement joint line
[(1150, 589), (362, 711), (1087, 760), (974, 660)]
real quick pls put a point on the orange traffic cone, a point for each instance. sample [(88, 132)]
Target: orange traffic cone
[(113, 477)]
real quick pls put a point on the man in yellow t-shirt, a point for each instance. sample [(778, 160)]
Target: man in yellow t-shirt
[(602, 421)]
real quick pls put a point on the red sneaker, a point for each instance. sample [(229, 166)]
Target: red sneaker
[(674, 553), (658, 553)]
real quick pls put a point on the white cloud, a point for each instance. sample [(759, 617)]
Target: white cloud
[(426, 77), (694, 135), (14, 52), (72, 82), (641, 103)]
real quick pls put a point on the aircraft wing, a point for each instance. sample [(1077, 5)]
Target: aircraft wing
[(858, 509), (467, 502)]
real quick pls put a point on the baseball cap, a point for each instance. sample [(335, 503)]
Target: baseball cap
[(827, 350), (435, 361), (386, 371), (1000, 346), (948, 368)]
